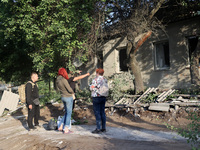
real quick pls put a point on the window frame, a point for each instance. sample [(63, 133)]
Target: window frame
[(155, 55), (119, 69)]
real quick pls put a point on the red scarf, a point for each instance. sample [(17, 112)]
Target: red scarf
[(63, 72)]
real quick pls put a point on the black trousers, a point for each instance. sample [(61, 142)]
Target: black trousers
[(33, 113)]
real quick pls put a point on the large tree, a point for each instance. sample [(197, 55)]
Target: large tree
[(51, 33), (134, 20), (15, 63)]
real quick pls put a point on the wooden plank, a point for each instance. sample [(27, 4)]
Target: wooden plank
[(123, 101), (120, 106), (152, 90), (138, 105), (128, 100), (120, 101), (187, 95), (165, 95), (132, 96), (172, 92), (145, 94), (184, 100), (185, 103), (159, 106), (160, 95)]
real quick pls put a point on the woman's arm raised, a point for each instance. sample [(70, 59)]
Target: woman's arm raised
[(81, 77)]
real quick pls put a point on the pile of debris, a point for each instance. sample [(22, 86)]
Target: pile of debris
[(161, 103)]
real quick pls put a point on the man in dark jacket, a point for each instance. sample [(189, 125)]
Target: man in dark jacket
[(32, 101)]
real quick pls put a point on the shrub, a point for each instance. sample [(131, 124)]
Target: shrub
[(151, 98), (45, 95), (120, 85), (192, 133), (85, 93)]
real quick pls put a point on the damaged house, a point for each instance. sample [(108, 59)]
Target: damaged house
[(164, 59)]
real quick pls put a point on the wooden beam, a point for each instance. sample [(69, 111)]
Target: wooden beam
[(143, 95)]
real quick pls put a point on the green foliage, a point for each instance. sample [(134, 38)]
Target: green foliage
[(116, 92), (85, 93), (47, 96), (116, 87), (78, 122), (15, 63), (192, 90), (117, 83), (172, 95), (192, 133), (151, 98), (46, 34)]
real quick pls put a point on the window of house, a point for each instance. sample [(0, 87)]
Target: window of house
[(192, 44), (123, 60), (162, 60)]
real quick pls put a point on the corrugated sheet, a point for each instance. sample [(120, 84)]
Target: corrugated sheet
[(9, 100)]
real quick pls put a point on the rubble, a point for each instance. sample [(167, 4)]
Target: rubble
[(161, 102)]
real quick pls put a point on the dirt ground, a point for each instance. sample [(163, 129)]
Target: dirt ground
[(125, 130)]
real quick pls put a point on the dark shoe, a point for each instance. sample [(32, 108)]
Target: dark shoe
[(103, 130), (38, 126), (32, 129), (96, 131)]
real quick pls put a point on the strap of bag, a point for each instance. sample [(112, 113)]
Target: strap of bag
[(33, 84)]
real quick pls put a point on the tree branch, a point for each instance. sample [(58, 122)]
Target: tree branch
[(142, 40), (156, 8)]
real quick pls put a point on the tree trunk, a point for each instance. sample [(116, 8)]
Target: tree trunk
[(49, 86), (194, 65), (139, 87), (134, 66)]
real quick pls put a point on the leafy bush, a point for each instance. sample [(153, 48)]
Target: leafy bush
[(192, 133), (50, 97), (192, 90), (45, 95), (151, 98), (118, 85), (85, 93)]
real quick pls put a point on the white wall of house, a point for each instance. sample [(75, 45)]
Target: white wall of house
[(111, 55), (177, 75)]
